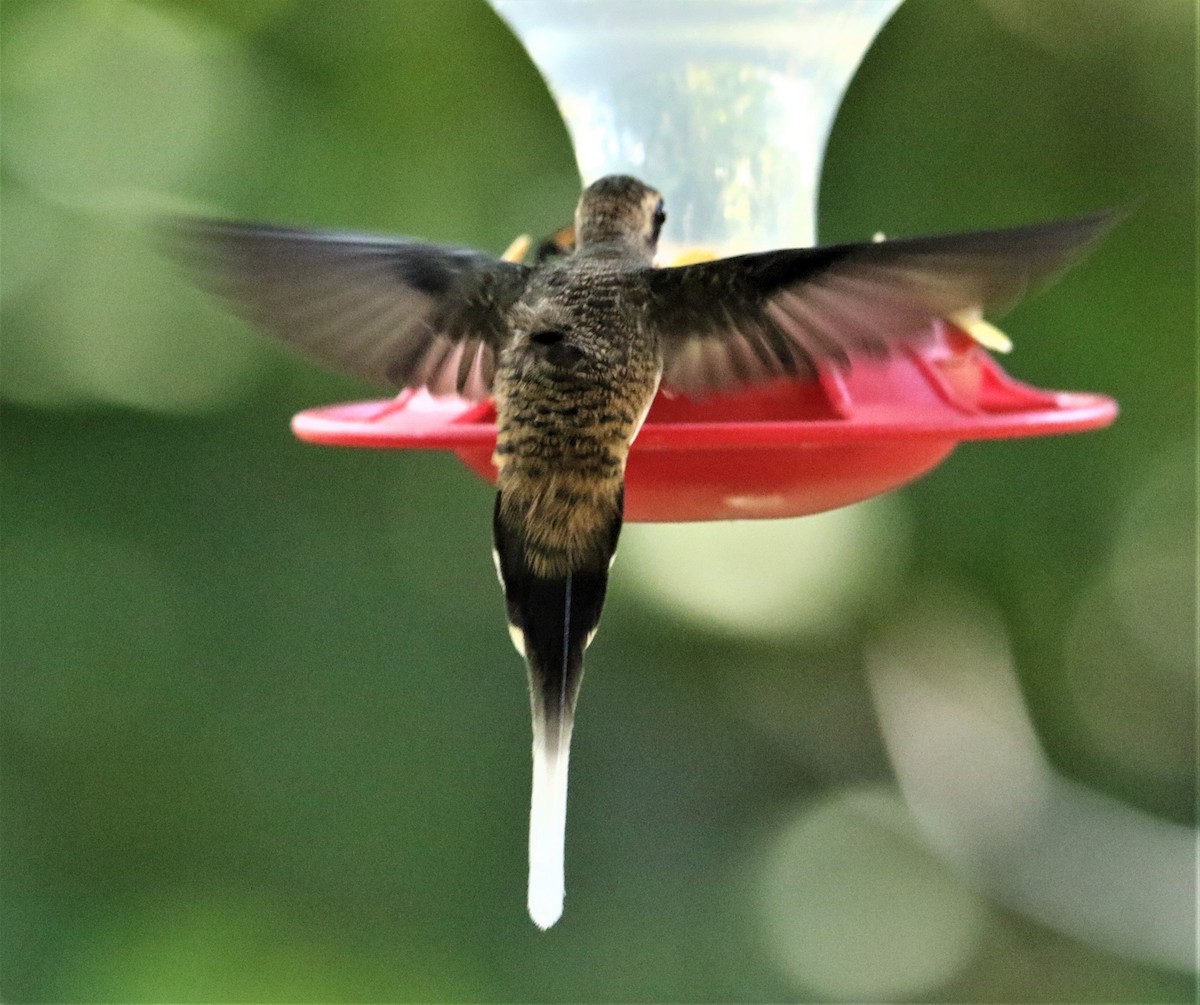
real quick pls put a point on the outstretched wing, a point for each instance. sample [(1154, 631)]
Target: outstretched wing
[(754, 318), (387, 310)]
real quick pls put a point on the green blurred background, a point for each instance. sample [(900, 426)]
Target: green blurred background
[(264, 735)]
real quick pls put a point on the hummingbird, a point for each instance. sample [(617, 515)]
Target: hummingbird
[(573, 348)]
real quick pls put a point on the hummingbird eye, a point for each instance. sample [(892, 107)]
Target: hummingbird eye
[(660, 217)]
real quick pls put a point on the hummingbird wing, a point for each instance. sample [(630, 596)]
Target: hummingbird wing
[(387, 310), (754, 318)]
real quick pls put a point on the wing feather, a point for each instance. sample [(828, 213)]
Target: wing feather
[(792, 311), (387, 310)]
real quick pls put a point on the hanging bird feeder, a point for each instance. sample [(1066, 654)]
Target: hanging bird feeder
[(643, 88)]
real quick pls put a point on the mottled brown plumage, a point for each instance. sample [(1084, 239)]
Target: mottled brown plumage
[(573, 349), (572, 386)]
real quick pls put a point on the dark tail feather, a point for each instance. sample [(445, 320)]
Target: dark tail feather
[(552, 620)]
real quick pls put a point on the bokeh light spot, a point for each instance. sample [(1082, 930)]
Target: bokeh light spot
[(855, 908), (771, 577), (1153, 571), (121, 328), (972, 771), (106, 95), (184, 946), (1130, 650)]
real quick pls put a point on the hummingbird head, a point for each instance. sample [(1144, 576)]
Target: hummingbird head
[(620, 210)]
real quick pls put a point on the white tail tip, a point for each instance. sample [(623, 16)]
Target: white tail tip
[(548, 824)]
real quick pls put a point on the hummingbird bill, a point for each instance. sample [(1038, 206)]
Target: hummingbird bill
[(573, 348)]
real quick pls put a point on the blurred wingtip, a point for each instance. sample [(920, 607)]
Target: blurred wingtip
[(181, 236), (1088, 228)]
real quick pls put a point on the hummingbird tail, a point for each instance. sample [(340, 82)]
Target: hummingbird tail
[(551, 619), (548, 819), (571, 605)]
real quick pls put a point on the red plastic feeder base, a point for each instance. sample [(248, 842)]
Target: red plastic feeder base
[(787, 449)]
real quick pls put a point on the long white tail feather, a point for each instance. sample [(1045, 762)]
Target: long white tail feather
[(548, 821)]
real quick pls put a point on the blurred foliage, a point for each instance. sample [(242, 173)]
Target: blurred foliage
[(263, 734)]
